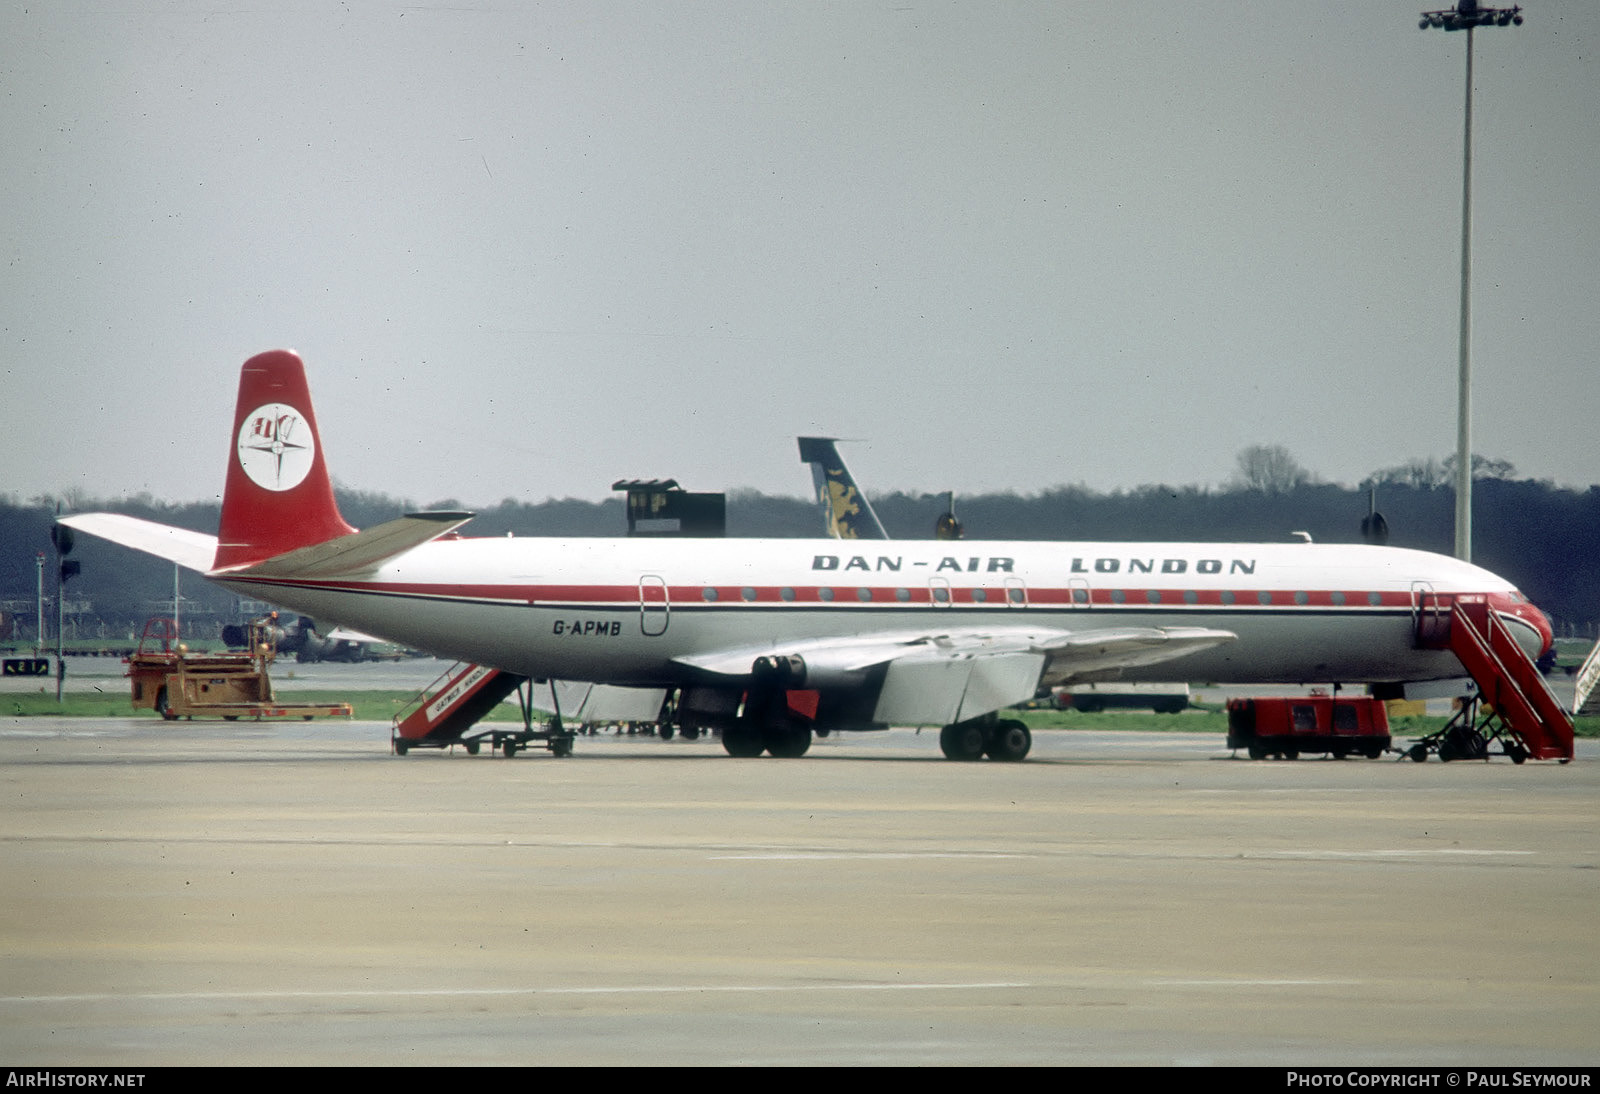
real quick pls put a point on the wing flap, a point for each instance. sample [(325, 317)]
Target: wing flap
[(939, 691)]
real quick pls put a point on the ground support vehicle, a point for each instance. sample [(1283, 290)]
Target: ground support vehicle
[(176, 682), (1288, 726)]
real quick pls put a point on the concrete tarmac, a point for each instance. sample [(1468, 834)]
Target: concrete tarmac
[(240, 893)]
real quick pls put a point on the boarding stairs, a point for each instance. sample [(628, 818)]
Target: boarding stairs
[(443, 712), (1513, 705), (1585, 696)]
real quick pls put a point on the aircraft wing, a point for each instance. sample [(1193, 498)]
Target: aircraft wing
[(191, 550), (360, 552), (947, 676)]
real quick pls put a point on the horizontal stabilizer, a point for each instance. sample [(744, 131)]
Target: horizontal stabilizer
[(191, 550), (359, 553)]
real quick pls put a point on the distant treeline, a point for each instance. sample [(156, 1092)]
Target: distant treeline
[(1540, 536)]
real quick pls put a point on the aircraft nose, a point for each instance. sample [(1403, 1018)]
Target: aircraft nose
[(1527, 624), (1547, 634)]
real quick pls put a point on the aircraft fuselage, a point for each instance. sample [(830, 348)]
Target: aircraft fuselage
[(620, 610)]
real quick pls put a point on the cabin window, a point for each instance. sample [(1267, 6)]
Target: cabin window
[(747, 593), (1264, 597), (708, 593), (979, 596), (1191, 597), (1118, 596), (941, 594), (1153, 595), (786, 592), (863, 594), (902, 595), (1302, 598), (1014, 595), (1374, 599), (824, 593), (1227, 596), (1080, 596), (1337, 598)]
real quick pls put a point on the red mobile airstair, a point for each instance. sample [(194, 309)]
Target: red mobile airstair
[(444, 713), (1514, 705)]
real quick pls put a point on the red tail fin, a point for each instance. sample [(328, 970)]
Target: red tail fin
[(278, 496)]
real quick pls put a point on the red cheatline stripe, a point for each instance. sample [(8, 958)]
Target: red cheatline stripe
[(847, 595)]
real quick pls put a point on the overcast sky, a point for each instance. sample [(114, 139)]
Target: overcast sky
[(528, 249)]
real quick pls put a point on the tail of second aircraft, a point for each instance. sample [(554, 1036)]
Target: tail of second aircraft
[(846, 513), (278, 495)]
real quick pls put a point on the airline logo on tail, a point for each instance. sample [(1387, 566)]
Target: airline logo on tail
[(278, 497), (276, 447)]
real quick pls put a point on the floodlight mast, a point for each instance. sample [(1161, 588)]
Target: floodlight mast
[(1467, 15)]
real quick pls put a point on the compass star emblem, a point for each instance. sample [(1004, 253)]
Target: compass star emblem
[(276, 447)]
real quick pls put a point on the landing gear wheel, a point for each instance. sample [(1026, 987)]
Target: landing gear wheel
[(561, 746), (692, 733), (510, 748), (1010, 742), (743, 740), (401, 746), (962, 741), (788, 742), (472, 748)]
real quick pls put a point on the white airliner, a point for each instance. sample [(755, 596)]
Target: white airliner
[(768, 640)]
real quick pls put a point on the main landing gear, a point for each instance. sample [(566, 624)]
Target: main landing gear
[(786, 739), (767, 723), (1004, 739)]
